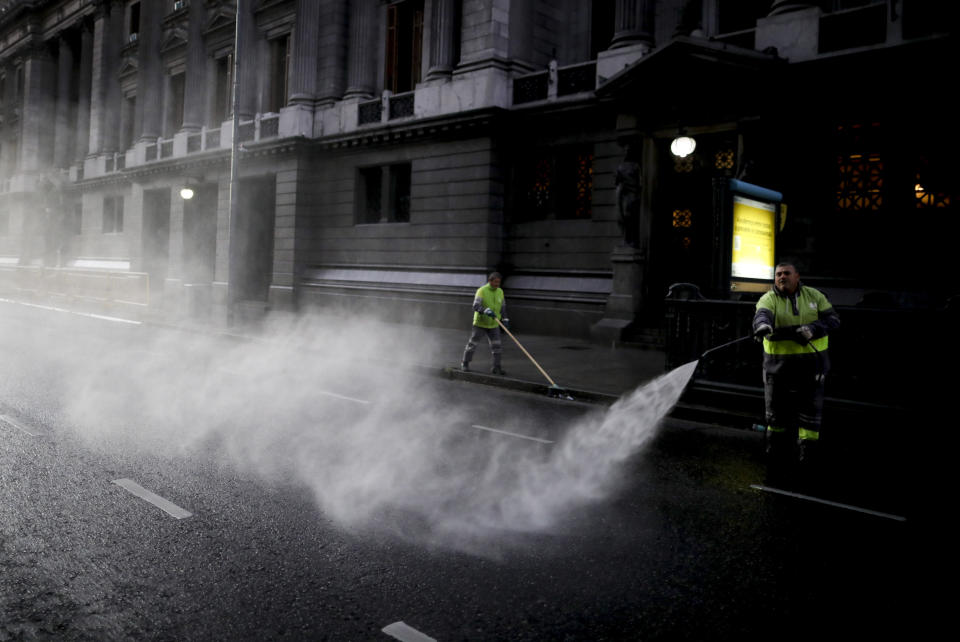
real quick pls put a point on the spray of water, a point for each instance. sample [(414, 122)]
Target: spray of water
[(315, 405)]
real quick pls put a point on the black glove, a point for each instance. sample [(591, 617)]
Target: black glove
[(505, 322), (490, 313), (761, 331), (805, 333)]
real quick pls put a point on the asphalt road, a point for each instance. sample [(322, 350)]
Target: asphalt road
[(329, 499)]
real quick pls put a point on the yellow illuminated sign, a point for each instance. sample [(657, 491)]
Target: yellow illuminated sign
[(754, 225)]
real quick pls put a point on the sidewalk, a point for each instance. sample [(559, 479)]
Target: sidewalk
[(583, 370), (587, 371)]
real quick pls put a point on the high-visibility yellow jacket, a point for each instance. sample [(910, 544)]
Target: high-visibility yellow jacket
[(785, 313), (487, 297)]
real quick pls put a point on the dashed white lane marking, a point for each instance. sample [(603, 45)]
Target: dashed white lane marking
[(80, 314), (235, 373), (161, 503), (346, 398), (512, 434), (406, 633), (809, 498), (10, 421)]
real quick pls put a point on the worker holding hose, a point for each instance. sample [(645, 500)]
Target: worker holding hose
[(488, 309), (793, 321)]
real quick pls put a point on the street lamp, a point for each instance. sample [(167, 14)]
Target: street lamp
[(682, 146), (186, 193)]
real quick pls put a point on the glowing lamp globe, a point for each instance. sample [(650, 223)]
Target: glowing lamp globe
[(683, 146)]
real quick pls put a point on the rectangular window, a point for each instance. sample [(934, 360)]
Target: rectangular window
[(601, 26), (133, 22), (112, 214), (383, 194), (223, 99), (399, 194), (175, 104), (369, 201), (404, 46), (860, 174), (554, 184), (279, 73)]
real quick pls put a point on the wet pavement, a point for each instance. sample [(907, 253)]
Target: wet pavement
[(681, 543)]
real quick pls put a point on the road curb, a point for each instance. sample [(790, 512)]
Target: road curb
[(531, 387)]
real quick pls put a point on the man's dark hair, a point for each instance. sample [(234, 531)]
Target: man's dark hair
[(494, 275), (792, 264)]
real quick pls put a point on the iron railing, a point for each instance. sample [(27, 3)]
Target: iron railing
[(877, 355)]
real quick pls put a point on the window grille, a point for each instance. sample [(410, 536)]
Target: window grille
[(527, 89), (369, 112), (401, 106), (270, 127), (576, 79)]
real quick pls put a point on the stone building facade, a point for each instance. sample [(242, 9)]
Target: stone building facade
[(391, 153)]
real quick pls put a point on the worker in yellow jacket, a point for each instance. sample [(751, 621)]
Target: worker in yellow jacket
[(793, 321), (488, 308)]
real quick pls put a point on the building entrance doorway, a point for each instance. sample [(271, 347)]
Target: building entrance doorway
[(252, 244)]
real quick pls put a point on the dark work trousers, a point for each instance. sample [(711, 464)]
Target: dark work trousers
[(493, 338), (793, 390)]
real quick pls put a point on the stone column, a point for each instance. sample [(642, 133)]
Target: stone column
[(7, 156), (112, 97), (39, 87), (361, 77), (63, 137), (332, 65), (249, 59), (633, 23), (150, 72), (303, 60), (83, 92), (442, 39), (195, 81), (213, 118), (100, 53)]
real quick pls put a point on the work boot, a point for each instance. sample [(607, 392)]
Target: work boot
[(807, 450), (464, 366), (810, 466), (497, 370), (777, 444), (779, 459)]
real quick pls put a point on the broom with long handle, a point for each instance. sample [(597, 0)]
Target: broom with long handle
[(554, 388)]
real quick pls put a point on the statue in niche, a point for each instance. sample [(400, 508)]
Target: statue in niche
[(628, 196)]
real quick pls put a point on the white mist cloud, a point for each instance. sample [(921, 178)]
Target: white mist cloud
[(292, 407)]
